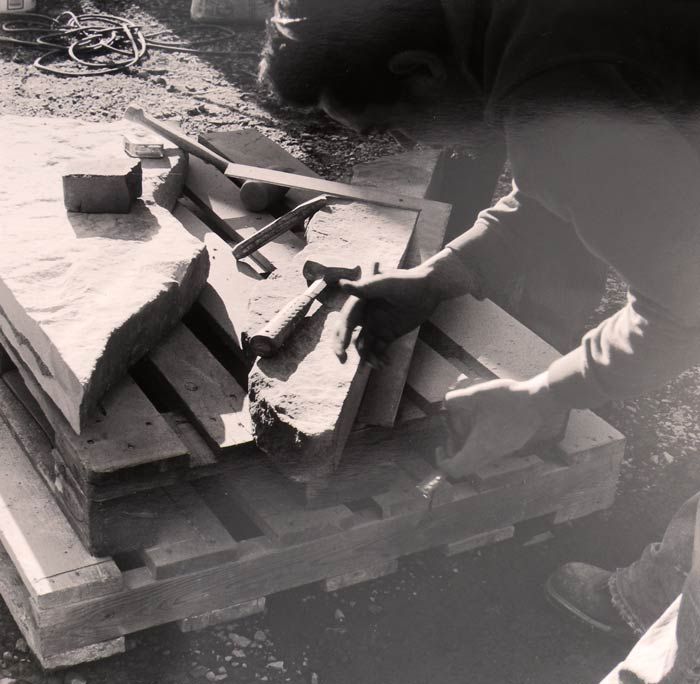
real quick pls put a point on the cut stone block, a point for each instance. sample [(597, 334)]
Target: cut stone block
[(303, 400), (84, 296), (109, 185)]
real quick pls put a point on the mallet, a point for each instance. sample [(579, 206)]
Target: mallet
[(272, 337)]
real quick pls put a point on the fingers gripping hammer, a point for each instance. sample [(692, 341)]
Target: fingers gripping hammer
[(269, 340)]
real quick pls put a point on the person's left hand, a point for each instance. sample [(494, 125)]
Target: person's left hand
[(496, 418)]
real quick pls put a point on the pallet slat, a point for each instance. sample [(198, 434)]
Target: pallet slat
[(44, 548), (213, 399)]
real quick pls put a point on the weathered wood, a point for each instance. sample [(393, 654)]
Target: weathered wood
[(266, 567), (100, 289), (350, 579), (212, 398), (416, 173), (19, 603), (5, 361), (299, 418), (190, 537), (45, 550), (220, 616), (224, 298), (128, 435), (478, 540)]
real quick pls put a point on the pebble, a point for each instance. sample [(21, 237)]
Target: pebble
[(8, 680), (228, 659), (75, 679), (222, 670), (210, 676), (7, 655), (199, 671), (238, 653), (339, 615), (260, 636), (314, 678), (21, 645), (277, 665), (375, 609), (240, 641)]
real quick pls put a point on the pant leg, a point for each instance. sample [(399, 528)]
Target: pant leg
[(643, 590), (669, 652)]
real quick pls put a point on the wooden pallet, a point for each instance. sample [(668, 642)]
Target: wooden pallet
[(226, 542), (168, 472)]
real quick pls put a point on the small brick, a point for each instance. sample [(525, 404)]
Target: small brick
[(102, 186)]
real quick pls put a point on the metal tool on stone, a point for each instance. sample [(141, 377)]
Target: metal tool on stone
[(268, 341), (279, 226)]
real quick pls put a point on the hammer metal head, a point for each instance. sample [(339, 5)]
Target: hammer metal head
[(314, 270)]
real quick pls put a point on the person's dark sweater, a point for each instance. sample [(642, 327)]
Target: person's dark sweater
[(598, 104)]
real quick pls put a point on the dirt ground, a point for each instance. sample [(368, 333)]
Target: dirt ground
[(477, 618)]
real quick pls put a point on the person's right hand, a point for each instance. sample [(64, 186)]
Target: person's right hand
[(386, 306)]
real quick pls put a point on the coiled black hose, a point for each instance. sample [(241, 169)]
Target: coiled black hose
[(98, 43)]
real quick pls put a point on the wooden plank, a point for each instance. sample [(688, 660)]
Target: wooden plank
[(494, 338), (266, 567), (430, 374), (44, 548), (18, 602), (248, 146), (190, 538), (478, 540), (507, 471), (350, 579), (417, 174), (212, 398), (225, 296), (220, 616), (266, 497), (127, 434), (220, 200)]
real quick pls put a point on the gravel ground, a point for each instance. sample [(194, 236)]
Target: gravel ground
[(480, 617)]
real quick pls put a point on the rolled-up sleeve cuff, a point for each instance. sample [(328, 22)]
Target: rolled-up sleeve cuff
[(569, 383)]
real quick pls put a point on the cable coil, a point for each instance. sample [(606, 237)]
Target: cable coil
[(98, 43)]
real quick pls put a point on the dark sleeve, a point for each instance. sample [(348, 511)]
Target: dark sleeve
[(628, 181)]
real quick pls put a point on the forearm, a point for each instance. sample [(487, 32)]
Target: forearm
[(634, 351)]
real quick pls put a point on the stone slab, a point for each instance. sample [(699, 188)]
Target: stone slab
[(303, 401), (84, 296), (107, 185)]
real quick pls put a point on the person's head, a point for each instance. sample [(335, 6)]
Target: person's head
[(369, 64)]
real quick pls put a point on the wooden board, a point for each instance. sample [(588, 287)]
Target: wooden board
[(127, 435), (211, 397), (418, 174), (45, 550)]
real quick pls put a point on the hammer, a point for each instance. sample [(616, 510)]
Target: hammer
[(268, 341)]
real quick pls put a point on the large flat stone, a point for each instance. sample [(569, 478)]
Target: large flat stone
[(83, 296), (303, 401)]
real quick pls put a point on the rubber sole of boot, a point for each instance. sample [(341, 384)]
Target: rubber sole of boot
[(621, 632)]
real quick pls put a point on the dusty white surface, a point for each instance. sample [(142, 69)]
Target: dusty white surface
[(82, 296)]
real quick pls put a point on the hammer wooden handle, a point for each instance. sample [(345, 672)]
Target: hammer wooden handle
[(279, 226), (272, 337)]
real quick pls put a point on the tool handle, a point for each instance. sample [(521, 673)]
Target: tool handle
[(279, 226), (171, 133), (272, 337)]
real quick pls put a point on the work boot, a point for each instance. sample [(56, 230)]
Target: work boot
[(582, 591)]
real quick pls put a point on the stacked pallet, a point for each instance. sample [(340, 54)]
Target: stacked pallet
[(163, 510)]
